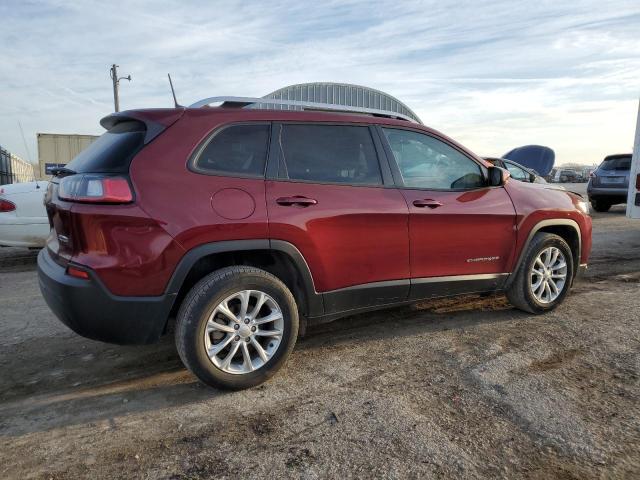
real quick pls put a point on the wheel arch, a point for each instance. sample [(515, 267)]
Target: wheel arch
[(277, 257), (567, 229)]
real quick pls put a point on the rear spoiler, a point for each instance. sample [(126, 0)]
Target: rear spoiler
[(156, 120)]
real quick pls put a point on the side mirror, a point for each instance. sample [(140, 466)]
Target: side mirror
[(532, 177), (498, 176)]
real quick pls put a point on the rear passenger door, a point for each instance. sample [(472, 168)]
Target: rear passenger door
[(329, 194)]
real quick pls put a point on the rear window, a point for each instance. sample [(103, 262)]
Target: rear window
[(113, 151), (616, 163), (329, 154), (237, 150)]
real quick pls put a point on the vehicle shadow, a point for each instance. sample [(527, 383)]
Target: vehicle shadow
[(616, 210), (78, 381)]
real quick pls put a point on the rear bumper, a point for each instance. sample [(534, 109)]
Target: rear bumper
[(608, 192), (90, 310)]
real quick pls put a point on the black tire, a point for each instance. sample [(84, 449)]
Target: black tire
[(201, 301), (519, 291), (600, 205)]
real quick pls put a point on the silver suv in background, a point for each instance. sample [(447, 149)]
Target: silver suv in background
[(609, 183)]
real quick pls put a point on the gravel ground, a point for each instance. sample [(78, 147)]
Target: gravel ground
[(466, 388)]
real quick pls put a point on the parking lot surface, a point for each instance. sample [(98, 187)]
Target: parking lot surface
[(462, 388)]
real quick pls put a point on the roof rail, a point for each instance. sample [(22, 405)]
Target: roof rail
[(262, 103)]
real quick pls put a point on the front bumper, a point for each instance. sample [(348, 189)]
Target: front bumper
[(90, 310)]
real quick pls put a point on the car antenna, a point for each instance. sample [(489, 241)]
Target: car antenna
[(173, 92)]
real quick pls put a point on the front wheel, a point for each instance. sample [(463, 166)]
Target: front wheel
[(236, 327), (544, 276)]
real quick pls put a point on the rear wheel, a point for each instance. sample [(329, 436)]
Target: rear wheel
[(600, 205), (236, 327), (544, 276)]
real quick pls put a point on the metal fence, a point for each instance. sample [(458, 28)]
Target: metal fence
[(14, 170), (6, 175)]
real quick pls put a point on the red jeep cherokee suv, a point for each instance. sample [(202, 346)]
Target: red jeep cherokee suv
[(245, 224)]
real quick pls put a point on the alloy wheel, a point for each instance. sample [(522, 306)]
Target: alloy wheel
[(243, 332), (548, 275)]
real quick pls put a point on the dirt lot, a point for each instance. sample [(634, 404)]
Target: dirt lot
[(467, 388)]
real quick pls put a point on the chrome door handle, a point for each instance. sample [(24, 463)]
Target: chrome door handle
[(427, 202), (296, 200)]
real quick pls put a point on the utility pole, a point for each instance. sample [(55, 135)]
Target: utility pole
[(633, 198), (116, 83)]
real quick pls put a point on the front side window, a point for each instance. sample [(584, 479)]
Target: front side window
[(236, 150), (426, 162), (329, 154), (517, 172)]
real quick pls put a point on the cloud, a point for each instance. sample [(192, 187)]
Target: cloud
[(493, 75)]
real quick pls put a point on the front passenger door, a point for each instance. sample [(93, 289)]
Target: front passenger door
[(461, 232)]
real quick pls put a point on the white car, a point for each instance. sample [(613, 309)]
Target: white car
[(23, 218)]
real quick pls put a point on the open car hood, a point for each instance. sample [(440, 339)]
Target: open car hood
[(535, 157)]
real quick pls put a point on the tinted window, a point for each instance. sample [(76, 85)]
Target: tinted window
[(426, 162), (616, 163), (112, 151), (239, 149), (329, 154), (517, 172)]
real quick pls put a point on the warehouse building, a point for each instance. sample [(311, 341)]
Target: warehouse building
[(343, 94), (56, 150), (13, 169)]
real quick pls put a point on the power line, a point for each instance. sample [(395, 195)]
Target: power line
[(24, 140)]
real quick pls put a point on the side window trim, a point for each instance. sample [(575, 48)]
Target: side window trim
[(384, 162), (273, 155), (277, 166), (395, 169), (193, 157), (393, 164)]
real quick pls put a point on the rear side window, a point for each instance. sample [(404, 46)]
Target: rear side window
[(236, 150), (112, 151), (616, 163), (426, 162), (329, 154)]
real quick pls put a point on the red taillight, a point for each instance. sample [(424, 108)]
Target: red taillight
[(6, 206), (77, 273), (592, 174), (95, 189)]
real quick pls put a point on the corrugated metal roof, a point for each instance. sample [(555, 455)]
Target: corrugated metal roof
[(340, 94)]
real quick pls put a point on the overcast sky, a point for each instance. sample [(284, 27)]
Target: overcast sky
[(493, 75)]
